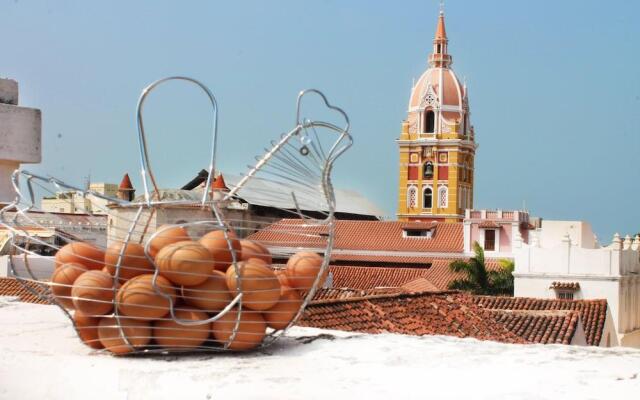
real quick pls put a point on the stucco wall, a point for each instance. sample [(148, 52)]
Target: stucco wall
[(7, 193), (20, 133), (505, 238), (552, 233)]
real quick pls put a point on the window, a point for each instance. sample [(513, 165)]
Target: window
[(438, 48), (427, 170), (425, 233), (490, 240), (427, 198), (412, 197), (564, 295), (429, 121), (443, 197)]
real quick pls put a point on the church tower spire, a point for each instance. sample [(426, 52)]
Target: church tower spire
[(437, 143), (440, 57)]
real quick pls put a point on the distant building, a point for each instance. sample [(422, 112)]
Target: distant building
[(437, 143), (496, 231), (248, 211), (383, 254), (73, 202), (52, 230), (563, 260)]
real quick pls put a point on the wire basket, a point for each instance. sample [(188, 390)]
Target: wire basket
[(182, 271)]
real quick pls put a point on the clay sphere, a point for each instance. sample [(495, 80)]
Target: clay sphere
[(170, 334), (137, 332), (251, 329), (211, 296), (185, 263), (62, 281), (216, 243), (260, 285), (138, 298), (93, 292)]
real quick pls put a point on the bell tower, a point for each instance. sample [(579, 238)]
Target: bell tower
[(437, 143)]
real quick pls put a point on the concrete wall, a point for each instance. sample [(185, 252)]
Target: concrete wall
[(20, 136), (20, 133)]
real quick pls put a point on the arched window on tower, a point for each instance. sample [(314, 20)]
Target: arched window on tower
[(443, 197), (429, 121), (427, 170), (412, 197), (427, 197)]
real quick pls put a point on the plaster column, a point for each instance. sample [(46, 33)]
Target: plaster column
[(20, 136), (7, 194)]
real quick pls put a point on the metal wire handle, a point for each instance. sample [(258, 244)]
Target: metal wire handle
[(142, 139)]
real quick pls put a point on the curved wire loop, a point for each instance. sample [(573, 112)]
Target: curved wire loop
[(145, 165)]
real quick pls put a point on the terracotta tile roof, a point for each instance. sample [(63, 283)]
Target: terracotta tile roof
[(409, 313), (125, 183), (382, 258), (443, 313), (13, 288), (359, 277), (592, 312), (540, 327), (565, 285), (420, 285), (364, 235), (344, 293), (373, 277)]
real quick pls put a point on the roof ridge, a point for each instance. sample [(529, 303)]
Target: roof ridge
[(356, 299)]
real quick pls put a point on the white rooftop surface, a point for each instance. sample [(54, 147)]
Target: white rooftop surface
[(42, 359)]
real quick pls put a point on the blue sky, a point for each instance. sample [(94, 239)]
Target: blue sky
[(554, 90)]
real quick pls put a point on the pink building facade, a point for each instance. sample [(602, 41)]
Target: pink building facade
[(496, 231)]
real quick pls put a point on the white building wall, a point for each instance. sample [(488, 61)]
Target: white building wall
[(611, 273), (580, 233)]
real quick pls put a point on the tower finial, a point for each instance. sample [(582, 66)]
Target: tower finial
[(440, 57), (441, 7)]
